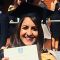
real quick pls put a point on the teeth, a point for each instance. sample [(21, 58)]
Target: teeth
[(29, 38)]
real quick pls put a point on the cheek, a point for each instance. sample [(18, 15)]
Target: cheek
[(35, 34), (22, 32)]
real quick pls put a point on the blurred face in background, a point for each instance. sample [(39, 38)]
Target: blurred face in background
[(28, 31), (18, 2)]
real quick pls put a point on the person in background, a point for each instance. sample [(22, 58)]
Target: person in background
[(4, 21), (40, 3), (55, 27)]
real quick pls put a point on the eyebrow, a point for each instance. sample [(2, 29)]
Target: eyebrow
[(27, 25)]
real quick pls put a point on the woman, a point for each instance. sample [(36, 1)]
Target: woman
[(28, 32)]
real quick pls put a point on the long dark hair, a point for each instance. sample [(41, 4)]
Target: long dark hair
[(57, 6), (37, 20)]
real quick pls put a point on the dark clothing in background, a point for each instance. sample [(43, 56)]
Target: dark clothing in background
[(55, 27), (4, 21), (12, 26)]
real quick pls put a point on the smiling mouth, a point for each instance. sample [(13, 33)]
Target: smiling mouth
[(29, 39)]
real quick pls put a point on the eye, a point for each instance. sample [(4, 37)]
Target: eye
[(25, 27), (34, 28)]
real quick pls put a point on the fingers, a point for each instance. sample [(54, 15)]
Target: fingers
[(5, 58)]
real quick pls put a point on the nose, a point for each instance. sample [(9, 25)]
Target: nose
[(29, 32)]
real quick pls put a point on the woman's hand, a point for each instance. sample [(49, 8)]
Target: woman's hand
[(5, 58), (3, 47)]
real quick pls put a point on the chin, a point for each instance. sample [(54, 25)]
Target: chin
[(29, 43)]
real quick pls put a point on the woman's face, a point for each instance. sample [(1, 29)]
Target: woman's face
[(28, 32)]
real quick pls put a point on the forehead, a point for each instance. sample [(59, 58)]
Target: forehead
[(28, 21)]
